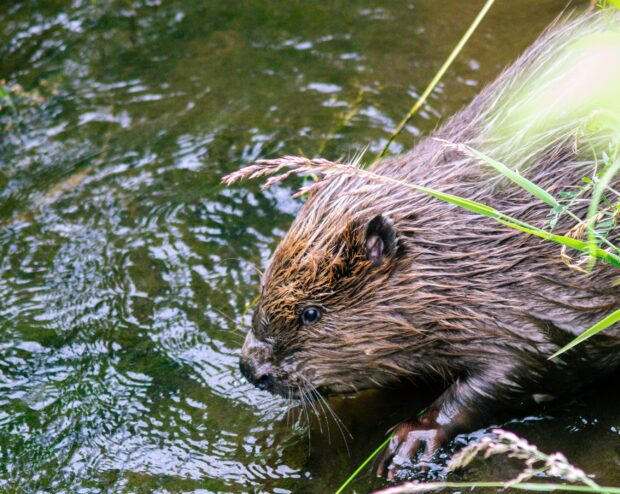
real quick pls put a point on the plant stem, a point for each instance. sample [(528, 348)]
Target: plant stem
[(440, 73), (363, 465)]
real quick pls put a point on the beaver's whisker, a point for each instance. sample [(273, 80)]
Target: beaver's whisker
[(311, 391), (288, 407), (274, 405), (323, 415), (289, 410), (339, 423), (317, 397), (305, 409), (308, 396), (326, 406), (291, 407), (304, 397)]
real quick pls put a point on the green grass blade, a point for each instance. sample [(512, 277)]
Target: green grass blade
[(363, 465), (522, 182), (612, 318), (476, 207), (370, 458), (6, 97), (613, 3), (442, 70), (573, 243), (504, 219), (596, 199)]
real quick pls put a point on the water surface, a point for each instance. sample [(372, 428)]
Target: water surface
[(126, 270)]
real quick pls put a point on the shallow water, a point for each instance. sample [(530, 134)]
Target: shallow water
[(126, 269)]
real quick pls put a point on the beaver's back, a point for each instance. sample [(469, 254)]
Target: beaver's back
[(469, 269)]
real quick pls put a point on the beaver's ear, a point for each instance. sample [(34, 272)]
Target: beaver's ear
[(380, 239)]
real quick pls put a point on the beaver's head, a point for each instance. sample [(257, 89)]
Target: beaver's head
[(328, 314)]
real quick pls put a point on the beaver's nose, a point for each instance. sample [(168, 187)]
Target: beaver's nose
[(255, 362), (263, 381)]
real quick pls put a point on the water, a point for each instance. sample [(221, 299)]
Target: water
[(126, 269)]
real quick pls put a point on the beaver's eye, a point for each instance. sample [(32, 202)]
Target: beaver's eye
[(310, 315)]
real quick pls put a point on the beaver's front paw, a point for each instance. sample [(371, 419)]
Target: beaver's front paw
[(408, 439)]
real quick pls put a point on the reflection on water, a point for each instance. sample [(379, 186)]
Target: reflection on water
[(126, 270)]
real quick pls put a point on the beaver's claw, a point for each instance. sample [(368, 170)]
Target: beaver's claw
[(408, 439)]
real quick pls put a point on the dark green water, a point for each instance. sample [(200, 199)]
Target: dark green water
[(126, 269)]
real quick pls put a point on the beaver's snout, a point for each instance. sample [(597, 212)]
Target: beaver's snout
[(255, 362)]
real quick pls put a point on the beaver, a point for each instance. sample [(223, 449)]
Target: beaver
[(373, 286)]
